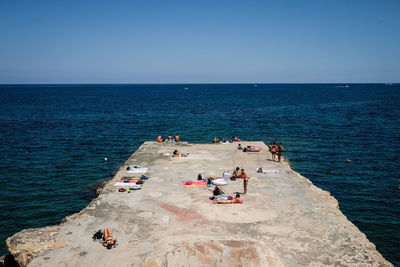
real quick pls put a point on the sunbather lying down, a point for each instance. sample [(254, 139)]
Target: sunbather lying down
[(236, 200), (109, 241)]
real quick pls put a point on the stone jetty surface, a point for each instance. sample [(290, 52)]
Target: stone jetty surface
[(284, 221)]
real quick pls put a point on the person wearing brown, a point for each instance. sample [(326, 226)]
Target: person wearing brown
[(279, 151), (245, 178), (273, 151), (236, 173), (109, 241), (176, 138)]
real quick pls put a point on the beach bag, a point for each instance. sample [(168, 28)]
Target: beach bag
[(199, 177), (97, 235), (260, 170), (217, 191)]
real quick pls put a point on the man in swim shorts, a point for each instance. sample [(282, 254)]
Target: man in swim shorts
[(245, 178)]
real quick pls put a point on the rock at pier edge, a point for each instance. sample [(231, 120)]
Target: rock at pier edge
[(284, 220)]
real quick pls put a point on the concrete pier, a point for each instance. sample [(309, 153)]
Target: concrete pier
[(284, 221)]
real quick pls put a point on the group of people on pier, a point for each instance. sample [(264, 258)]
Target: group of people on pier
[(241, 175), (224, 140), (276, 150), (168, 140), (276, 153)]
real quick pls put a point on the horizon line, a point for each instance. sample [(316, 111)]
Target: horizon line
[(196, 83)]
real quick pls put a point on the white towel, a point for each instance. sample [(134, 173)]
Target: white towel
[(137, 170), (126, 184), (269, 171)]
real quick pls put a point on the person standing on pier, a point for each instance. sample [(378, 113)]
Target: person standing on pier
[(279, 152), (245, 178), (273, 151)]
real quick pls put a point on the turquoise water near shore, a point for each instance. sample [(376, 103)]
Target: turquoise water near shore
[(53, 139)]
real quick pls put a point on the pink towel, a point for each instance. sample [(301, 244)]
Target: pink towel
[(253, 153), (192, 184)]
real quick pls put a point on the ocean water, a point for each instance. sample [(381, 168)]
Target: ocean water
[(53, 139)]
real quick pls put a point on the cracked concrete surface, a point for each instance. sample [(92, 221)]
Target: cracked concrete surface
[(284, 221)]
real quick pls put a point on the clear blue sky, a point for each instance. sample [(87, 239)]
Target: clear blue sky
[(199, 41)]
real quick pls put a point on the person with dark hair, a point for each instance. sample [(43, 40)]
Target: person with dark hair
[(159, 138), (245, 178), (235, 173), (279, 151), (235, 139), (229, 201), (109, 241), (175, 153), (273, 151)]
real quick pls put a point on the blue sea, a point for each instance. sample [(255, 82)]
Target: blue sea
[(344, 138)]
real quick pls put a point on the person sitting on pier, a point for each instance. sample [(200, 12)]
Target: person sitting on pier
[(215, 140), (245, 178), (224, 140), (235, 139), (175, 153), (109, 241), (235, 173), (159, 138), (273, 151), (169, 139), (176, 138)]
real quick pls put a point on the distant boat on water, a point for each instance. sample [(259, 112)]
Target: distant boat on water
[(186, 88), (342, 86)]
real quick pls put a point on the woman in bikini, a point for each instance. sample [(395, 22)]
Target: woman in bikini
[(273, 151), (109, 241)]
